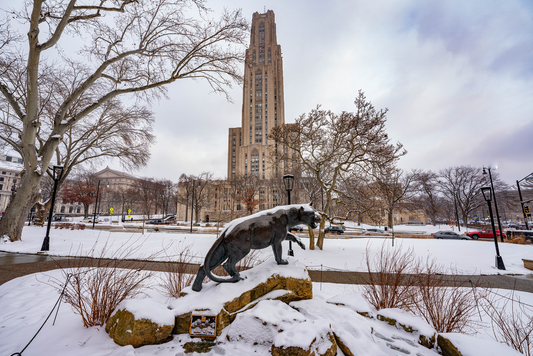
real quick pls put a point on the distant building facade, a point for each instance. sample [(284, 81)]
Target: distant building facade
[(10, 174), (263, 104)]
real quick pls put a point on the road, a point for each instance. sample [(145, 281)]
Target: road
[(14, 265)]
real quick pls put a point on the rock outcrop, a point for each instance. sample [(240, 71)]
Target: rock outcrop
[(132, 325)]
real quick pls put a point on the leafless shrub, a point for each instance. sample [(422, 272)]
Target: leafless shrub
[(511, 324), (179, 273), (388, 286), (98, 284), (519, 239), (401, 281), (446, 302)]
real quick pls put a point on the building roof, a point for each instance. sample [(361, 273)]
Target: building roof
[(111, 172)]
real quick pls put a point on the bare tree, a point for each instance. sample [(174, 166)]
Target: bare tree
[(196, 189), (145, 193), (427, 193), (464, 183), (329, 146), (249, 188), (394, 188), (132, 47), (80, 189)]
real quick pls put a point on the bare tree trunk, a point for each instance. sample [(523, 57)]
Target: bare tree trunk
[(13, 219), (320, 241), (311, 238)]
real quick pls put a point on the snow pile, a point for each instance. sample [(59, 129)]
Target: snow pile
[(263, 322), (148, 309), (308, 335)]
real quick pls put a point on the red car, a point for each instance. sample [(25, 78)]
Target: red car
[(485, 234)]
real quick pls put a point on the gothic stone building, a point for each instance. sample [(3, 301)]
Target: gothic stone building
[(263, 106)]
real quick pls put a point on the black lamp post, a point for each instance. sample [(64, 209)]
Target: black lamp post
[(487, 194), (495, 204), (527, 178), (192, 204), (288, 180), (57, 172), (96, 203)]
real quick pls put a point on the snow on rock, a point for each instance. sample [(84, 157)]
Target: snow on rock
[(353, 301), (214, 295), (352, 331), (148, 309), (406, 321), (263, 322), (312, 337), (471, 346)]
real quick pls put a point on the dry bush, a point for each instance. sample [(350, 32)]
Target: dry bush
[(98, 284), (401, 281), (446, 302), (179, 274), (389, 285), (519, 239), (511, 325)]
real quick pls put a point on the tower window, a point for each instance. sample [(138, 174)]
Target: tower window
[(262, 43), (255, 162)]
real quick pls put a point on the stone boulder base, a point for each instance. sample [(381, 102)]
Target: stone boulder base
[(124, 329), (267, 281)]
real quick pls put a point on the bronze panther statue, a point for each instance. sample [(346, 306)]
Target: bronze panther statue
[(257, 231)]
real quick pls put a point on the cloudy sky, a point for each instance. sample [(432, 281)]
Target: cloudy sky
[(456, 76)]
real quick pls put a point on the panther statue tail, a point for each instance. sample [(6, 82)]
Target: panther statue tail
[(214, 258)]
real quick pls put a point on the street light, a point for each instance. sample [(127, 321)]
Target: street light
[(57, 172), (495, 204), (527, 178), (97, 197), (288, 180), (487, 194), (192, 201)]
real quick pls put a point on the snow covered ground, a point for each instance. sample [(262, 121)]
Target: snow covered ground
[(25, 302)]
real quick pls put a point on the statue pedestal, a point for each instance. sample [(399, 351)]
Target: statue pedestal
[(268, 280)]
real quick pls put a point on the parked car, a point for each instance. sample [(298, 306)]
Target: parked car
[(450, 235), (59, 217), (297, 228), (170, 218), (157, 222), (90, 220), (333, 229), (484, 233), (374, 231)]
